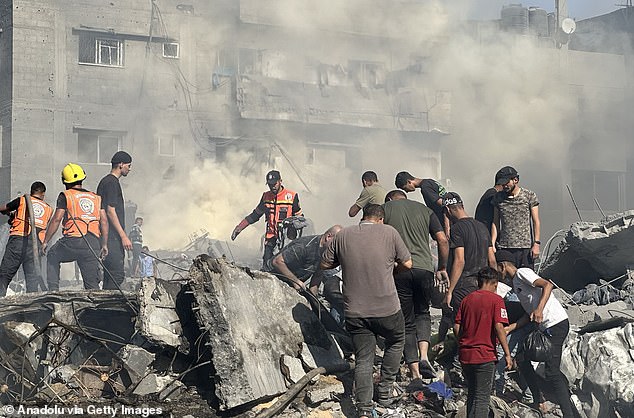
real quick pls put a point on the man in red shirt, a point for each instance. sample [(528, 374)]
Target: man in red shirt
[(479, 324)]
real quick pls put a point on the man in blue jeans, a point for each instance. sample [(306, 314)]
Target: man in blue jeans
[(367, 253)]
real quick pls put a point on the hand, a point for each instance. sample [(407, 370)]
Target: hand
[(509, 362), (535, 251), (447, 302), (537, 316), (235, 232), (127, 244), (441, 281), (104, 252), (299, 286), (44, 248)]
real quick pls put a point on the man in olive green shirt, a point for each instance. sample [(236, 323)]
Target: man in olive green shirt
[(372, 193)]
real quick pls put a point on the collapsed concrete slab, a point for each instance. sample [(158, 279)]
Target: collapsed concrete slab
[(601, 364), (250, 319), (592, 251)]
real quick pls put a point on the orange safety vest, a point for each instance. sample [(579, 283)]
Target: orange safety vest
[(279, 207), (82, 213), (42, 213)]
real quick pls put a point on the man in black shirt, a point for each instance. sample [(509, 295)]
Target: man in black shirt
[(111, 194), (431, 190), (484, 210), (470, 244)]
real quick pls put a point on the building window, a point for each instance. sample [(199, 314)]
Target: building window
[(97, 147), (167, 145), (367, 73), (171, 50), (607, 187), (100, 51)]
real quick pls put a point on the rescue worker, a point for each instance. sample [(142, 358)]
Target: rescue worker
[(84, 224), (278, 204), (19, 249)]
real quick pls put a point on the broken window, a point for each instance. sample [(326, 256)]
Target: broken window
[(368, 73), (97, 147), (167, 145), (607, 187), (171, 50), (238, 61), (99, 50)]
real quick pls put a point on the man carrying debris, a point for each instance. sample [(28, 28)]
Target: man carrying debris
[(277, 204), (415, 223), (431, 190), (300, 260), (372, 192), (542, 309), (516, 226), (19, 249), (367, 253), (84, 225), (110, 191)]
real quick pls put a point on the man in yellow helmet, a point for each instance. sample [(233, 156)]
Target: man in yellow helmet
[(84, 224), (19, 249)]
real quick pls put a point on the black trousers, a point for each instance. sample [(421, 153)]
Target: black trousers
[(68, 249), (521, 257), (364, 332), (479, 379), (269, 249), (414, 289), (114, 273), (136, 252), (19, 252), (556, 382)]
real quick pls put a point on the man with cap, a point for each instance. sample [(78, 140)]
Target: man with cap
[(431, 190), (516, 226), (278, 203), (19, 249), (84, 229), (470, 244), (111, 194)]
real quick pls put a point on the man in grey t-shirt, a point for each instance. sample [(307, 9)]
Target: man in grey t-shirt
[(516, 227), (367, 253)]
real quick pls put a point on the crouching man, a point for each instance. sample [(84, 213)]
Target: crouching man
[(367, 253)]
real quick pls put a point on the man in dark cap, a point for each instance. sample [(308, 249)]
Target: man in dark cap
[(516, 225), (431, 190), (278, 203), (111, 194)]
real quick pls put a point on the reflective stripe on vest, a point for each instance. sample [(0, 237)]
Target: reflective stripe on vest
[(278, 208), (82, 213), (42, 213)]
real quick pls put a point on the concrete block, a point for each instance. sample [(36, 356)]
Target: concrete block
[(136, 361), (292, 368), (315, 356), (249, 319), (324, 389), (152, 383)]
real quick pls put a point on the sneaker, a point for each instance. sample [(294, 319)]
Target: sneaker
[(426, 370)]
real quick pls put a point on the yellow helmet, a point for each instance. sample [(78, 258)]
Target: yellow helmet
[(73, 173)]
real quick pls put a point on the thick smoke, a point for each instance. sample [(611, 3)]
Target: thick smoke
[(511, 103)]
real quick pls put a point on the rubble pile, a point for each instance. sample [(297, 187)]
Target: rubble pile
[(592, 251)]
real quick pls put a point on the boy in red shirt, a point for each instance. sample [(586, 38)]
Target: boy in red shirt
[(479, 325)]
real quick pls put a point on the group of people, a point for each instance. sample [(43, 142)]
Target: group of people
[(389, 279), (93, 231)]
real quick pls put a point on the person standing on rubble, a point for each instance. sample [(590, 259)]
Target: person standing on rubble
[(367, 254), (278, 203), (415, 222), (136, 237), (372, 193), (516, 225), (300, 259), (109, 189), (431, 190), (84, 229), (479, 326), (542, 309), (19, 249)]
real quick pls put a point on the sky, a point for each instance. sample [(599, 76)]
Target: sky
[(577, 9)]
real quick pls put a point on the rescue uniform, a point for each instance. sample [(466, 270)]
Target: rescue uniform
[(81, 218), (19, 249), (276, 207)]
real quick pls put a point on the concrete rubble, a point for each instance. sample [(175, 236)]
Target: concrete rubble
[(591, 251)]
